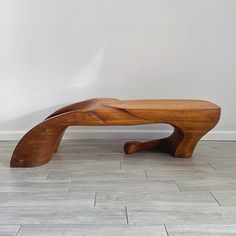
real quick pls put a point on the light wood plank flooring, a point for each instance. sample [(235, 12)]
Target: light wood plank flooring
[(92, 188)]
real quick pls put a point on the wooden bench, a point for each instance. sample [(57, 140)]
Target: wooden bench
[(191, 120)]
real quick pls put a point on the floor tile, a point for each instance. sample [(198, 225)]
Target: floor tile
[(91, 230), (61, 215), (200, 230), (182, 215), (98, 175), (174, 164), (153, 199), (125, 186), (43, 198), (210, 183), (39, 186)]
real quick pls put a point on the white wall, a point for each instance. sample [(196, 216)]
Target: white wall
[(55, 52)]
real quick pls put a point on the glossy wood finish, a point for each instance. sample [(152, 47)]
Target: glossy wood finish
[(191, 120)]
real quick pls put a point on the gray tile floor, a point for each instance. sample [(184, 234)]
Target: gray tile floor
[(92, 188)]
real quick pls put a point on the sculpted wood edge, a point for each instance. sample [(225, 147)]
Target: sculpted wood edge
[(191, 120)]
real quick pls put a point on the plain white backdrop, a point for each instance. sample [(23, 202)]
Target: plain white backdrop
[(55, 52)]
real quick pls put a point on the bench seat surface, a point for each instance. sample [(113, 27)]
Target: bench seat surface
[(161, 104)]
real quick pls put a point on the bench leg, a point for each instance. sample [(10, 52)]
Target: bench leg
[(37, 146), (180, 144), (59, 140)]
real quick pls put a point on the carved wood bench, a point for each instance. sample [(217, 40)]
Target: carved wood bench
[(191, 120)]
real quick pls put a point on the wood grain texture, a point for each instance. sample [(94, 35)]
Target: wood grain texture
[(191, 120)]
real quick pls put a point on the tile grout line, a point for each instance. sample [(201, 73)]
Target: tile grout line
[(215, 198), (47, 175), (126, 214), (211, 165), (146, 174), (95, 199), (167, 234), (18, 230), (69, 186), (178, 186)]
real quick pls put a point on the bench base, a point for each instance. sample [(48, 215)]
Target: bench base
[(180, 144)]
